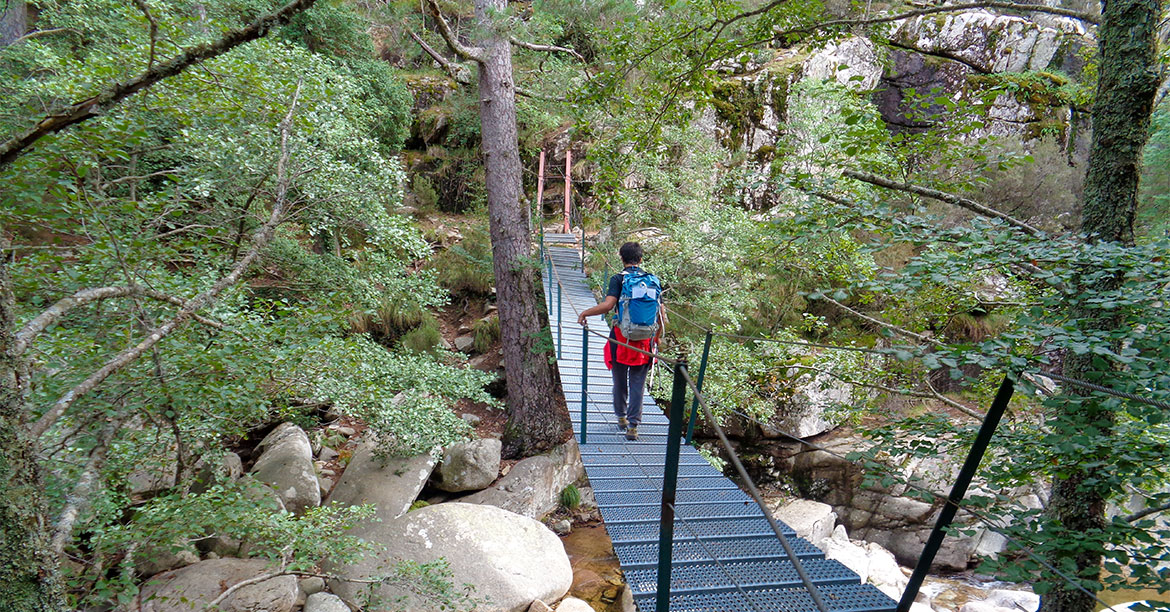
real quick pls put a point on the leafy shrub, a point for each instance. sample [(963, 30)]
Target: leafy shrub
[(399, 315), (487, 331), (466, 268), (424, 192), (424, 338), (571, 497)]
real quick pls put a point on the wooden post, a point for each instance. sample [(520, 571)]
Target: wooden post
[(540, 194), (568, 185)]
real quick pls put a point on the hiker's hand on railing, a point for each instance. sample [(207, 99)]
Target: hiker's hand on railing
[(581, 319)]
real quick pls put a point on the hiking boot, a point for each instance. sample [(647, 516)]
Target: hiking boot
[(622, 423), (632, 433)]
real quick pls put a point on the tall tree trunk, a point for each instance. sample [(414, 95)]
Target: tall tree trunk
[(13, 21), (1126, 88), (534, 421), (28, 569)]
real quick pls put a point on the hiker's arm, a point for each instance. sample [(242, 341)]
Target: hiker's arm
[(661, 322), (605, 306)]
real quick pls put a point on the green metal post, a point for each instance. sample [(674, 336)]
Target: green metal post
[(958, 491), (678, 396), (549, 278), (584, 380), (699, 386)]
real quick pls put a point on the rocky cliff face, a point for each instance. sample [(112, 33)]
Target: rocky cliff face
[(1034, 64)]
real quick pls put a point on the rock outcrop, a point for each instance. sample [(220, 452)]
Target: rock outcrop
[(195, 586), (287, 466), (469, 466), (533, 486), (391, 484), (510, 560)]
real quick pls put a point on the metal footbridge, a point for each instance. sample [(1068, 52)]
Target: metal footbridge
[(724, 557)]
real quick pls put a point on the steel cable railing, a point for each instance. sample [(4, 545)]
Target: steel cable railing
[(814, 593)]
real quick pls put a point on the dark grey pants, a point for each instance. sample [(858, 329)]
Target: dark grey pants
[(629, 385)]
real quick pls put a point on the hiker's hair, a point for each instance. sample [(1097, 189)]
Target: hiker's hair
[(631, 253)]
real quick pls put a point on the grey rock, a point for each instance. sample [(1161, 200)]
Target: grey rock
[(1016, 600), (627, 599), (812, 520), (326, 485), (562, 527), (230, 467), (325, 602), (469, 466), (202, 582), (471, 419), (463, 344), (532, 487), (391, 484), (539, 606), (509, 559), (311, 585), (156, 559), (287, 466), (326, 454), (572, 604), (343, 430)]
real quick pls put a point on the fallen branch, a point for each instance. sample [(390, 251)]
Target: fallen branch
[(112, 95), (259, 239), (942, 196)]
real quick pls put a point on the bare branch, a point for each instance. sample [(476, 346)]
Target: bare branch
[(212, 605), (78, 498), (520, 91), (458, 72), (1147, 512), (112, 95), (141, 4), (52, 314), (259, 239), (40, 33), (894, 328), (546, 48), (941, 196), (474, 54)]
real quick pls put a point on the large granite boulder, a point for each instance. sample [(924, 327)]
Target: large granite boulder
[(195, 586), (510, 560), (391, 484), (325, 602), (533, 486), (287, 466), (811, 520), (469, 466)]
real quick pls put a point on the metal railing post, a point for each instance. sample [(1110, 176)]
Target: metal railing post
[(947, 514), (678, 396), (584, 381), (699, 387), (560, 330), (548, 276)]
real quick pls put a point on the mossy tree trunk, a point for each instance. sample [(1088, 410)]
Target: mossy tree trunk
[(28, 569), (1126, 88), (534, 422)]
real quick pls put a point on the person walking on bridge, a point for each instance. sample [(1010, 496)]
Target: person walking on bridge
[(637, 327)]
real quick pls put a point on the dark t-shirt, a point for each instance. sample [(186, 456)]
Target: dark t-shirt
[(615, 283)]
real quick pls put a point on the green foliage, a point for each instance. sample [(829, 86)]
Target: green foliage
[(466, 268), (418, 503), (570, 497), (1154, 207), (425, 338), (487, 332)]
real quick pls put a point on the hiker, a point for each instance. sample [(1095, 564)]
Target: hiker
[(636, 294)]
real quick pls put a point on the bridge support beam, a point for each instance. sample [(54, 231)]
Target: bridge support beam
[(678, 397)]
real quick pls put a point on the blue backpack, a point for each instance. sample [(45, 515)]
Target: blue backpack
[(637, 310)]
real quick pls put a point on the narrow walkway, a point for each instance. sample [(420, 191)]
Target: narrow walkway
[(726, 558)]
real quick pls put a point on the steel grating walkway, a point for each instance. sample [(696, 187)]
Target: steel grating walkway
[(725, 556)]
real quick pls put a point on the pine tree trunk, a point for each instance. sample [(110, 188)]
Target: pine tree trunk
[(13, 21), (1126, 88), (28, 569), (534, 423)]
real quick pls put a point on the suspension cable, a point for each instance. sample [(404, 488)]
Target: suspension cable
[(755, 494)]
